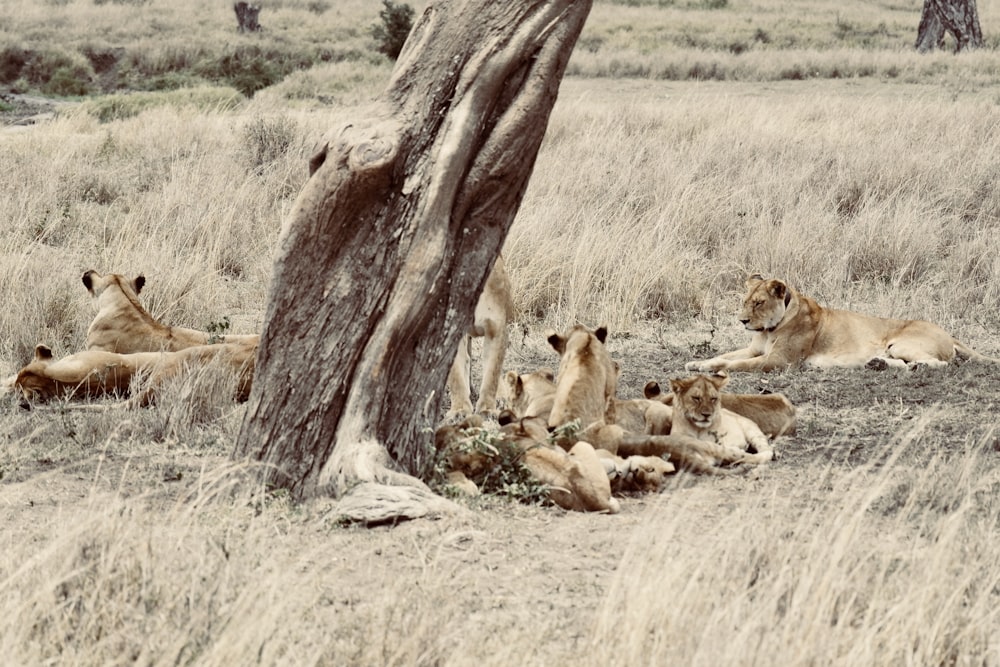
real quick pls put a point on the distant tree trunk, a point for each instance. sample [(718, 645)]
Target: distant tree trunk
[(247, 17), (388, 245), (958, 17)]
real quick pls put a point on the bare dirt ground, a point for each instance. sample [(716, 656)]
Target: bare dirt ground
[(508, 570)]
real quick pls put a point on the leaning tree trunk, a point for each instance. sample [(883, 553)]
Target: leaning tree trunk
[(958, 17), (388, 245)]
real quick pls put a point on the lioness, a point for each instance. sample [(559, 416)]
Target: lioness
[(773, 413), (698, 413), (493, 310), (576, 480), (95, 373), (792, 329), (588, 378), (122, 325), (530, 394)]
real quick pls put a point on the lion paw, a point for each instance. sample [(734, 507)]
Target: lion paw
[(877, 364)]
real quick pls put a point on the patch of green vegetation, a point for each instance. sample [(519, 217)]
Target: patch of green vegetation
[(119, 106), (503, 475)]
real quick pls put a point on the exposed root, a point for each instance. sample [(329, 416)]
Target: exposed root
[(376, 504)]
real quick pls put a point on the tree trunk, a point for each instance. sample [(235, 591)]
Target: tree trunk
[(958, 17), (247, 17), (386, 250)]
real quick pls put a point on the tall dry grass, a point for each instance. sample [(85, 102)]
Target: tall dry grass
[(649, 203), (888, 563), (889, 568)]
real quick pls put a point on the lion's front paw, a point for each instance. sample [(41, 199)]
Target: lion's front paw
[(703, 366)]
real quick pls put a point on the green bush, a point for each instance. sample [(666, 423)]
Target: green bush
[(126, 105), (391, 34)]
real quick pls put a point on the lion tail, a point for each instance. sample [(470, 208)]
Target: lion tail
[(966, 352)]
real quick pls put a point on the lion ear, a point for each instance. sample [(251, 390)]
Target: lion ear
[(506, 417), (601, 334), (547, 373), (651, 390), (677, 386), (88, 280), (138, 283), (754, 279), (42, 352), (557, 342), (511, 378), (777, 289)]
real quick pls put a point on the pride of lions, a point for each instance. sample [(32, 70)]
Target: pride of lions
[(573, 433)]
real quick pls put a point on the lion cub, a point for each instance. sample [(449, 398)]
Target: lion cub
[(698, 413)]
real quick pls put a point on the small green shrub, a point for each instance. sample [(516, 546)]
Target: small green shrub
[(68, 81), (391, 34), (120, 106)]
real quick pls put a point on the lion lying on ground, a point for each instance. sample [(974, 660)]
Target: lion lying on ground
[(585, 391), (576, 480), (122, 325), (773, 413), (493, 310), (96, 373), (792, 329), (698, 413)]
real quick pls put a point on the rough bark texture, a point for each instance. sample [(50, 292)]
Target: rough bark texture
[(247, 17), (960, 18), (383, 257)]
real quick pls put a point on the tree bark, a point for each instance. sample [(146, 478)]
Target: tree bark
[(960, 18), (247, 17), (386, 250)]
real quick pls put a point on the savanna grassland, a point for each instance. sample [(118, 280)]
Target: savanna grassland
[(692, 143)]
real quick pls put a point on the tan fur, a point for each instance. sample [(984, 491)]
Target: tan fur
[(576, 479), (529, 394), (122, 325), (95, 373), (698, 413), (636, 474), (588, 378), (493, 311), (773, 413), (792, 329)]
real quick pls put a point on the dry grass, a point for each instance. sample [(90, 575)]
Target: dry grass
[(130, 538)]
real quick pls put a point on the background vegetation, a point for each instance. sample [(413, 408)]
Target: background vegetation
[(693, 142)]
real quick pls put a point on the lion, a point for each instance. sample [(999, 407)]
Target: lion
[(529, 394), (493, 310), (588, 378), (698, 413), (122, 325), (792, 329), (773, 413), (585, 392), (576, 480), (97, 373)]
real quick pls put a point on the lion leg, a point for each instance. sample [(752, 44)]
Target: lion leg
[(458, 381), (686, 452), (925, 351), (494, 349)]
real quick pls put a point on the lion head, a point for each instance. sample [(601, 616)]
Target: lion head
[(529, 394), (765, 303), (698, 400), (588, 378)]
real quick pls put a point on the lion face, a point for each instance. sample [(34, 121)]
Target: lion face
[(697, 398), (32, 380), (765, 303)]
